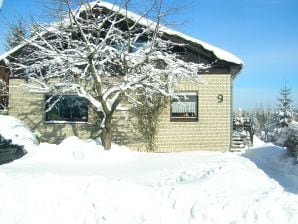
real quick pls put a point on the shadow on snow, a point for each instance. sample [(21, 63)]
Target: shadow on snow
[(275, 162)]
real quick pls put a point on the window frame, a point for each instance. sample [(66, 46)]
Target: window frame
[(185, 118), (62, 120)]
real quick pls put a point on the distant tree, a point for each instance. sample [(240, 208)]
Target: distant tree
[(296, 114), (16, 34), (263, 117), (285, 109)]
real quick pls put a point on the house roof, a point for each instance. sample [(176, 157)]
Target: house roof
[(219, 53), (11, 51)]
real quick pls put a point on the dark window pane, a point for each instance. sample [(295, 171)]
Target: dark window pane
[(69, 108)]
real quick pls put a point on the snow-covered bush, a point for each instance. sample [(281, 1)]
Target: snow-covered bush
[(292, 140), (17, 131), (270, 131), (296, 115), (280, 136), (262, 116)]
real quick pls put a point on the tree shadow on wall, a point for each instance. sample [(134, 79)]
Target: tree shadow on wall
[(33, 116), (123, 132)]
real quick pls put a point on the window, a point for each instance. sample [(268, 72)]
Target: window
[(180, 51), (138, 45), (185, 107), (69, 108)]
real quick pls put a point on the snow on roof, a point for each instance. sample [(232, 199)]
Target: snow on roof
[(11, 51), (219, 53)]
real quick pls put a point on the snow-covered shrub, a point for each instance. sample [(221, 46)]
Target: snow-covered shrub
[(292, 140), (280, 136), (17, 131), (37, 136), (271, 129), (296, 115), (263, 116)]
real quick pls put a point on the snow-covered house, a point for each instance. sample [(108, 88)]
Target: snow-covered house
[(200, 120)]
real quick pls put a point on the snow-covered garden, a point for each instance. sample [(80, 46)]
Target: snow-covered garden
[(79, 182)]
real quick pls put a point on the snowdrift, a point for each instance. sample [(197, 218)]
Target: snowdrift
[(17, 131), (79, 182)]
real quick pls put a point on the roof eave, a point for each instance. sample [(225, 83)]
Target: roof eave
[(4, 56)]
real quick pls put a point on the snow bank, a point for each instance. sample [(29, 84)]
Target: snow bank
[(79, 182), (17, 131), (73, 149)]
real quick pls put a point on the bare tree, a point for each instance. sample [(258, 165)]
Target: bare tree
[(104, 54), (3, 89)]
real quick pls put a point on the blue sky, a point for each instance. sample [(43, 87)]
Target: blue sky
[(263, 33)]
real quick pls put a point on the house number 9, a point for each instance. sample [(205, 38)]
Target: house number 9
[(219, 98)]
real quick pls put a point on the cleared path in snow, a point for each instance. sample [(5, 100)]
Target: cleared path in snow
[(275, 162)]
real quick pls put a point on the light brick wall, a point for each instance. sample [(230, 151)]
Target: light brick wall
[(212, 130), (30, 108)]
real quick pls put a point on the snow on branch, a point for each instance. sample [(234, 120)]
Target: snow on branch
[(103, 56)]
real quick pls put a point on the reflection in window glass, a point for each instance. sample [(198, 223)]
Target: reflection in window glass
[(69, 108), (185, 106)]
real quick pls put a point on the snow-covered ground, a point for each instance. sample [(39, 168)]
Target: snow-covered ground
[(78, 182)]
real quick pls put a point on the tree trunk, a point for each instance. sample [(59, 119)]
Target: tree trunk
[(106, 134)]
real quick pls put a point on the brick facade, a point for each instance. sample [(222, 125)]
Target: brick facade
[(212, 131), (30, 108)]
